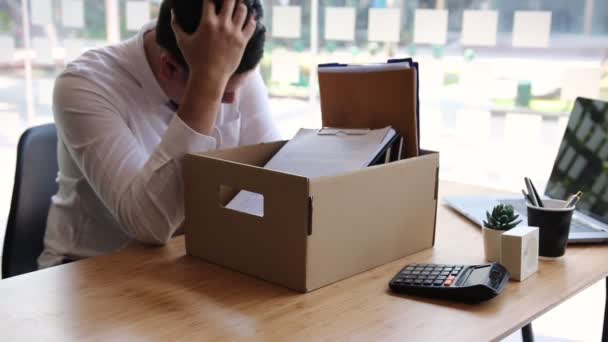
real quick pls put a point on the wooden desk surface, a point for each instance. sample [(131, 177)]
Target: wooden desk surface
[(161, 294)]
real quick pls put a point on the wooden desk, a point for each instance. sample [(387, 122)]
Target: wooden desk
[(161, 294)]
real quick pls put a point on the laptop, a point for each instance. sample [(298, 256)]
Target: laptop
[(581, 164)]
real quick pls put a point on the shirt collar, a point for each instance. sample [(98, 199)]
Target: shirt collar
[(143, 71)]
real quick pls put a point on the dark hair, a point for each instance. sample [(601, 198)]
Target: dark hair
[(188, 16)]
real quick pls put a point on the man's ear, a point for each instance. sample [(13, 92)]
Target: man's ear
[(169, 68)]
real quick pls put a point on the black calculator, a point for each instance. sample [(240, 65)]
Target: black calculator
[(465, 283)]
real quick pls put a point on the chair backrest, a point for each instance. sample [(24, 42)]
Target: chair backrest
[(34, 186)]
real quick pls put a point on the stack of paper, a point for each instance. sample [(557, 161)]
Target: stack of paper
[(315, 153)]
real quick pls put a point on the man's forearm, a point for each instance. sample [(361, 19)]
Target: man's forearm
[(201, 102)]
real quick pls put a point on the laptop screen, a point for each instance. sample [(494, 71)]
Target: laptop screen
[(582, 160)]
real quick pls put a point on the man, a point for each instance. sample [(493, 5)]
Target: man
[(126, 114)]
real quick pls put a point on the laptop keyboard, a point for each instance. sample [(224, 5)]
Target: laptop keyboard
[(576, 225)]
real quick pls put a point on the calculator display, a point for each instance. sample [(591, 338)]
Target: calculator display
[(478, 276)]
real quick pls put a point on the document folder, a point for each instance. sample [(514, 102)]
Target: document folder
[(372, 96)]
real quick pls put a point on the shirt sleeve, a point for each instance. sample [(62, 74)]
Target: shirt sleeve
[(144, 192), (256, 121)]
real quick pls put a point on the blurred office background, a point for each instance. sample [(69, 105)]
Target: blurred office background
[(498, 79)]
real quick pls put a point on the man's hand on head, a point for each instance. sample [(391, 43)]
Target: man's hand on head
[(214, 51)]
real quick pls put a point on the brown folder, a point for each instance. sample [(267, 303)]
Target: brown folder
[(372, 99)]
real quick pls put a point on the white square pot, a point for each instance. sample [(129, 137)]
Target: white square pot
[(492, 244)]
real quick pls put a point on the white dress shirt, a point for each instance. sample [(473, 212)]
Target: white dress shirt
[(120, 147)]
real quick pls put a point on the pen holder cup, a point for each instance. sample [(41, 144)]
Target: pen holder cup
[(553, 222)]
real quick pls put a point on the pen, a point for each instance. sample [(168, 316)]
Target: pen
[(573, 200), (531, 197), (526, 196), (535, 194)]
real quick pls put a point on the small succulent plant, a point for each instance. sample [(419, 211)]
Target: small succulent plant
[(503, 218)]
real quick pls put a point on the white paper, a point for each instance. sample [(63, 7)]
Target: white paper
[(531, 29), (286, 21), (384, 25), (43, 50), (42, 12), (584, 82), (312, 155), (431, 26), (479, 28), (340, 23), (72, 13), (7, 46), (285, 67), (138, 14)]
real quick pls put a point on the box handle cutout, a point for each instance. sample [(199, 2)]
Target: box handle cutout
[(245, 202)]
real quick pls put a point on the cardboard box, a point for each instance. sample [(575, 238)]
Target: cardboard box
[(315, 232)]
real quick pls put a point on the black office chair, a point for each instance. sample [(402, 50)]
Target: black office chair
[(34, 186)]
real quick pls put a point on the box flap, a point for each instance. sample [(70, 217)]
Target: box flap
[(256, 155), (372, 100)]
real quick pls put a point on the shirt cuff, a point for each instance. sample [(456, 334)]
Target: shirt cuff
[(181, 139)]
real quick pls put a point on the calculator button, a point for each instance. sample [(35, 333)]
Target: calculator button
[(425, 272), (444, 273), (418, 281), (410, 276), (428, 282), (406, 272), (447, 283), (435, 273)]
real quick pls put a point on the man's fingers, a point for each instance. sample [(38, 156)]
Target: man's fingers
[(240, 15), (177, 30), (227, 10), (249, 28), (208, 11)]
